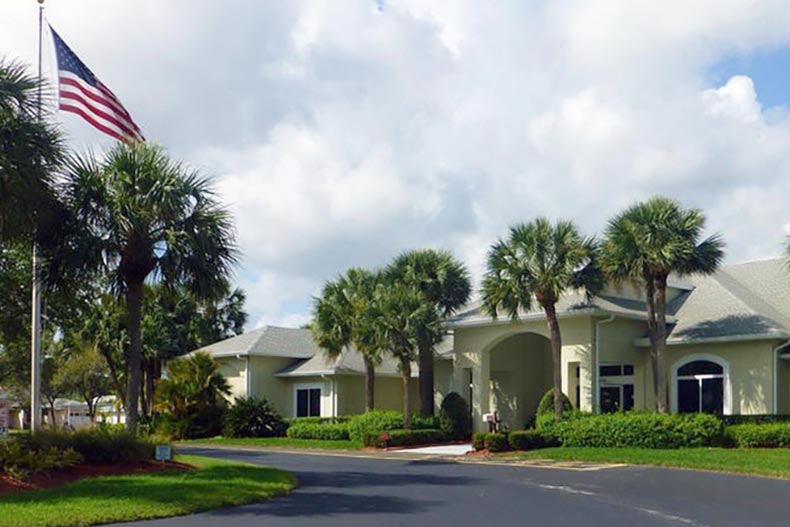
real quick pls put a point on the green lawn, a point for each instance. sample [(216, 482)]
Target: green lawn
[(108, 499), (283, 442), (773, 462)]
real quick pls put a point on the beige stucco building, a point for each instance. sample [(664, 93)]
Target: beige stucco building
[(727, 349)]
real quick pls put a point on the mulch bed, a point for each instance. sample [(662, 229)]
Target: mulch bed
[(67, 475)]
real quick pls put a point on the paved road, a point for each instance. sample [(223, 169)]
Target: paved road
[(351, 492)]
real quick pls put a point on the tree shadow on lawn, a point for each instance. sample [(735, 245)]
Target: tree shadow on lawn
[(197, 489), (324, 504)]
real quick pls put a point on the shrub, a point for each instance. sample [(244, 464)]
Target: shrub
[(771, 435), (319, 420), (546, 404), (431, 422), (757, 419), (454, 418), (19, 462), (397, 438), (529, 440), (634, 429), (207, 422), (493, 442), (327, 432), (373, 422), (104, 445), (253, 417)]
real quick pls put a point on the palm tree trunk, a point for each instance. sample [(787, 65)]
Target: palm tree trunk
[(426, 378), (650, 302), (556, 357), (134, 306), (370, 385), (662, 401), (405, 368)]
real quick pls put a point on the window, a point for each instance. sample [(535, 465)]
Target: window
[(700, 387), (308, 402), (617, 387)]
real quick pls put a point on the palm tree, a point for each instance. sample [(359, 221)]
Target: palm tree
[(538, 262), (340, 313), (193, 385), (647, 242), (444, 283), (137, 216), (30, 149), (399, 320)]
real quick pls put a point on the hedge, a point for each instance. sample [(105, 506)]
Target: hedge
[(634, 429), (327, 432), (530, 440), (424, 436), (319, 420), (771, 435), (377, 421), (103, 445), (493, 442), (757, 419)]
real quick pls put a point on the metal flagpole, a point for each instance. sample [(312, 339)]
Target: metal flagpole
[(35, 338)]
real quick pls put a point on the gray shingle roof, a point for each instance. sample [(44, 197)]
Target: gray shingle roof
[(268, 341), (348, 363)]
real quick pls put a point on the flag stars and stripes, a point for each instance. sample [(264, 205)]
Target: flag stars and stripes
[(83, 94)]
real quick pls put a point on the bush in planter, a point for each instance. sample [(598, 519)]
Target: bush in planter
[(530, 440), (772, 435), (325, 432), (634, 429), (103, 445), (493, 442), (546, 404), (399, 438), (253, 417), (19, 462), (454, 417)]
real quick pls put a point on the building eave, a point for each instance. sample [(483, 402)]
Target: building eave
[(531, 317), (644, 342)]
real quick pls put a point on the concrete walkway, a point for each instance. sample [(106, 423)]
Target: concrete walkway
[(441, 450)]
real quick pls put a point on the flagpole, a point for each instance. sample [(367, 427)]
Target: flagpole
[(35, 338)]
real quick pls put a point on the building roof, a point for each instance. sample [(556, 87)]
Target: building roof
[(268, 341), (349, 362), (737, 302)]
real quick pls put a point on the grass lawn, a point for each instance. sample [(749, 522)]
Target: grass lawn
[(773, 462), (108, 499), (284, 442)]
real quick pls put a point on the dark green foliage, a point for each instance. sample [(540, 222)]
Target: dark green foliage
[(757, 419), (326, 432), (253, 417), (398, 438), (378, 421), (19, 462), (634, 429), (546, 404), (770, 435), (454, 417), (102, 445), (530, 440), (493, 442), (374, 422), (193, 425)]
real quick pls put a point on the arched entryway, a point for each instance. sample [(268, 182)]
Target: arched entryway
[(701, 383), (520, 373)]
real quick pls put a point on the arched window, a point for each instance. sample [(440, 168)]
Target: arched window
[(700, 387)]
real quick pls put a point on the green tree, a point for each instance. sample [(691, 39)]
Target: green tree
[(399, 319), (30, 150), (193, 385), (85, 374), (444, 283), (538, 262), (647, 242), (339, 317), (138, 215)]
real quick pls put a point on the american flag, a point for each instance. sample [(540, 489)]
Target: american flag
[(82, 93)]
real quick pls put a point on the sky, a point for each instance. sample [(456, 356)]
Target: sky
[(343, 132)]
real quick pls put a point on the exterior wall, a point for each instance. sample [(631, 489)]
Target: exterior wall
[(751, 372), (473, 346), (235, 372), (443, 381), (263, 383), (616, 341), (783, 388), (328, 391)]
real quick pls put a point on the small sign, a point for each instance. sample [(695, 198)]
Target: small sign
[(4, 422), (163, 453)]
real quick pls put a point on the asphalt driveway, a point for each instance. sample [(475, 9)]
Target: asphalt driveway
[(351, 492)]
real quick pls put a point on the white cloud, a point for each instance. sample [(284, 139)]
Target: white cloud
[(342, 134)]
